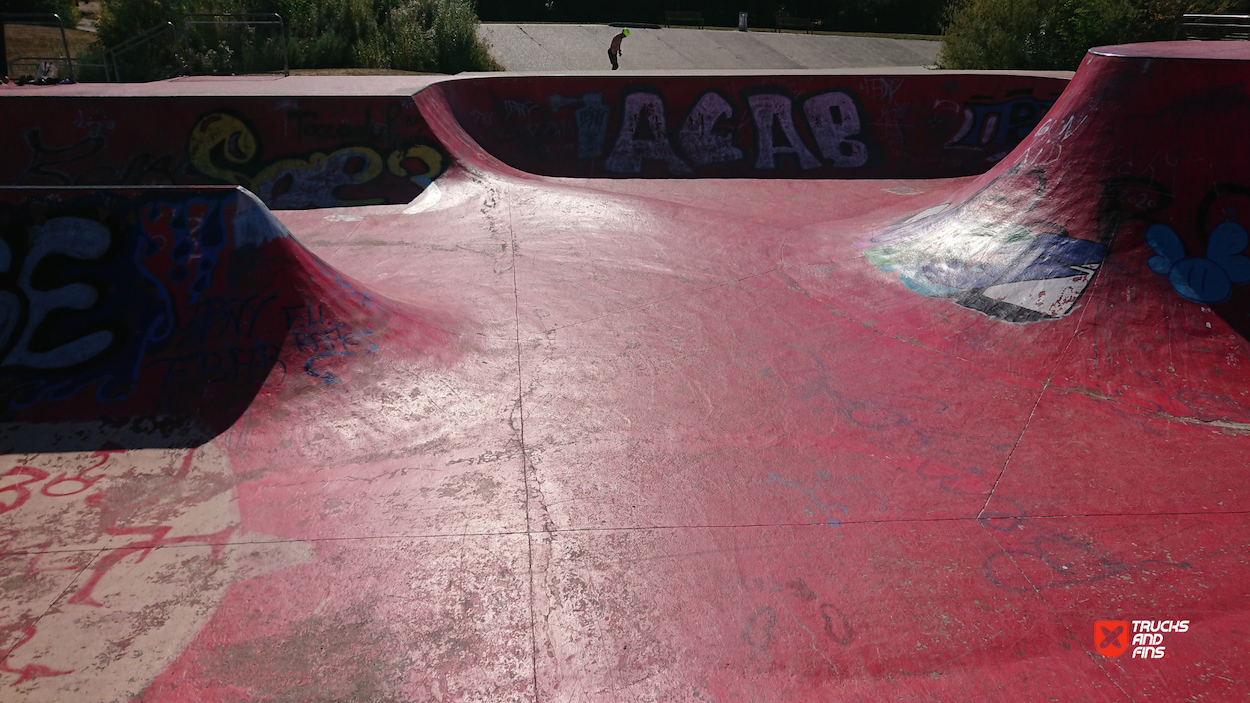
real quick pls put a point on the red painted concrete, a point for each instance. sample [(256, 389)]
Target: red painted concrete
[(698, 439)]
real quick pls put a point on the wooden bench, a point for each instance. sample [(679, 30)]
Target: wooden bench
[(1236, 27), (672, 17), (794, 23)]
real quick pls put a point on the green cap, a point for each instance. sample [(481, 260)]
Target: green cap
[(625, 31)]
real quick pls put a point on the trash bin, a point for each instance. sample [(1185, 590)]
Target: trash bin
[(742, 21)]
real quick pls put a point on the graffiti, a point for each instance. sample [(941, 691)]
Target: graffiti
[(881, 88), (1208, 279), (821, 489), (644, 135), (834, 118), (805, 127), (1002, 124), (317, 180), (307, 125), (592, 122), (766, 625), (520, 109), (698, 135), (321, 337), (46, 162), (94, 122), (231, 364), (30, 671), (305, 153), (758, 630), (1201, 280), (1048, 141), (989, 254), (773, 112), (161, 303), (27, 302), (225, 147), (139, 541), (896, 422), (1044, 558), (49, 165), (157, 537), (1052, 560)]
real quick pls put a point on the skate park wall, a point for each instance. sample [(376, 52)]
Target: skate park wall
[(905, 124)]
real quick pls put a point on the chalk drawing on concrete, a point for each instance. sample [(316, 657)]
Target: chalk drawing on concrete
[(117, 553)]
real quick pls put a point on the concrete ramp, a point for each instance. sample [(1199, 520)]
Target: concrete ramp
[(161, 315), (972, 428)]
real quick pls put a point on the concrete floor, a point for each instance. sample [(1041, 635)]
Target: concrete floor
[(582, 47)]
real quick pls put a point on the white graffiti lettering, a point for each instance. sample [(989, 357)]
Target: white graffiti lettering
[(629, 152), (67, 236), (699, 141), (769, 109), (833, 117)]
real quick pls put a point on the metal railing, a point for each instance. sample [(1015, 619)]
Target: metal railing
[(138, 40), (249, 18), (1213, 27), (34, 18)]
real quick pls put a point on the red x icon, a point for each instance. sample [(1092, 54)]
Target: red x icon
[(1111, 637)]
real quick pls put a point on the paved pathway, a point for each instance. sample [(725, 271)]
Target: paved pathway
[(581, 47)]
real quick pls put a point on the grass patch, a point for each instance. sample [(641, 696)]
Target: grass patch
[(28, 40)]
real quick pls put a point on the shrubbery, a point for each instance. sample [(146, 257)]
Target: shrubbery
[(440, 33), (411, 35), (1055, 34)]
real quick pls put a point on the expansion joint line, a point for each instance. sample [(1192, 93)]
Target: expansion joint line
[(1020, 438), (525, 470), (1076, 332)]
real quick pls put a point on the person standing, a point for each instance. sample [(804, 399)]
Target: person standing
[(615, 49)]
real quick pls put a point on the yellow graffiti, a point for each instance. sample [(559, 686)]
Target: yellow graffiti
[(430, 157), (224, 147), (237, 141)]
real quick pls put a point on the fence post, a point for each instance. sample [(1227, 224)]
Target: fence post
[(65, 43)]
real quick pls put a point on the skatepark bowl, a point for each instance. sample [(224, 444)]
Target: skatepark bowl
[(874, 385)]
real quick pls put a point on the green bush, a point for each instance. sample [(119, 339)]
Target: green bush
[(429, 35), (414, 35), (1055, 34)]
